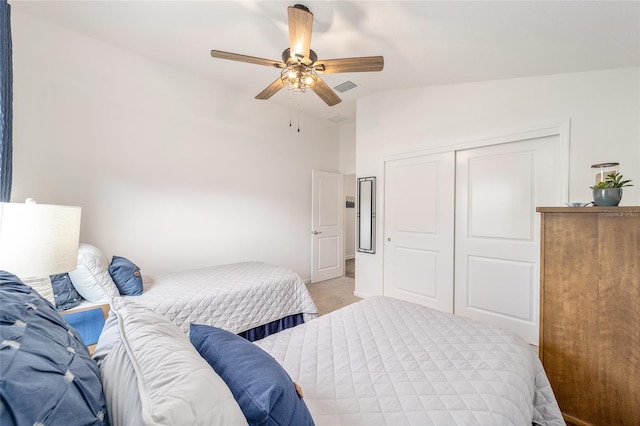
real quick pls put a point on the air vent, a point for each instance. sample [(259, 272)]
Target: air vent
[(337, 118), (347, 85)]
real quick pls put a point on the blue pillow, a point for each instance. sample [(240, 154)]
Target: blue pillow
[(64, 293), (46, 374), (126, 275), (263, 389)]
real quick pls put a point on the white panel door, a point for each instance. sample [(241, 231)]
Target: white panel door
[(497, 230), (327, 208), (418, 230)]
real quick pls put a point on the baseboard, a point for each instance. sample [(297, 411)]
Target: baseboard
[(361, 294)]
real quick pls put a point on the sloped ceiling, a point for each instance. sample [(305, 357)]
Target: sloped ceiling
[(423, 42)]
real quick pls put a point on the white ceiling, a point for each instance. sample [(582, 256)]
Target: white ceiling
[(423, 42)]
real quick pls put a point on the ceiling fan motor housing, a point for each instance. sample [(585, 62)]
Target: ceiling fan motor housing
[(289, 60)]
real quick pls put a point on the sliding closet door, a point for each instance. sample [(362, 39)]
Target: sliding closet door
[(497, 230), (418, 230)]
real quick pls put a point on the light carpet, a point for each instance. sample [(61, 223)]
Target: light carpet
[(333, 294)]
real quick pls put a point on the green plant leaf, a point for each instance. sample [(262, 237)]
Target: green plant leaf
[(613, 180), (600, 185)]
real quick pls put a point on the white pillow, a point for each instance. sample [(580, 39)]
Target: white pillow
[(175, 385), (91, 278)]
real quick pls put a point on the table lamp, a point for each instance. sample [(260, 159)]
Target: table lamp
[(38, 240)]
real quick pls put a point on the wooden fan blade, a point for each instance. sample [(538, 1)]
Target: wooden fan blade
[(362, 64), (300, 25), (326, 94), (271, 90), (244, 58)]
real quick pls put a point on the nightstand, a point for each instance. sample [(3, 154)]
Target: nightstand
[(88, 321)]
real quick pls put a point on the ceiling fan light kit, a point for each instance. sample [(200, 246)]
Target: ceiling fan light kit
[(299, 79), (298, 76), (300, 65)]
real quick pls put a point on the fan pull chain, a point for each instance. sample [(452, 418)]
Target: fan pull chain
[(290, 102), (291, 112)]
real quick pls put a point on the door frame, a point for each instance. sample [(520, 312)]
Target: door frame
[(559, 129), (562, 130)]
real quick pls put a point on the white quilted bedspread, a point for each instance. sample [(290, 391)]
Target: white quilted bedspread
[(236, 297), (383, 361)]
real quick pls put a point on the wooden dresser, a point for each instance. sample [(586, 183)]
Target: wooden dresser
[(590, 312)]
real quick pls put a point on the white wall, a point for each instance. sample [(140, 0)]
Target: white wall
[(171, 170), (603, 108), (347, 135)]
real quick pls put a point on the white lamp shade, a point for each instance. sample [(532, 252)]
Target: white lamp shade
[(38, 240)]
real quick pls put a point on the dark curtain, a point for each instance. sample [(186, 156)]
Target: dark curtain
[(6, 102)]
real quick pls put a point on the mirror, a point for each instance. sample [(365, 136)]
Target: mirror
[(366, 215)]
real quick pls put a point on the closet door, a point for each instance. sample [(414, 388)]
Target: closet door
[(497, 230), (418, 230)]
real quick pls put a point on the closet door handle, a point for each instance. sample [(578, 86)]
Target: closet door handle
[(316, 232)]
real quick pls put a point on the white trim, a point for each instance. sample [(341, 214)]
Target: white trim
[(561, 129), (565, 147)]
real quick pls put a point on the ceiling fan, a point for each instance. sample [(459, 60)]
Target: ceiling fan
[(300, 65)]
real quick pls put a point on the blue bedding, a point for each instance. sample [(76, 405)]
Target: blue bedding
[(273, 327), (46, 374), (88, 324)]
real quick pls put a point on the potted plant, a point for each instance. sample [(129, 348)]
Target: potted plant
[(609, 191)]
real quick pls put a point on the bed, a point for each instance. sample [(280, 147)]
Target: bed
[(253, 299), (380, 361), (375, 362), (385, 361)]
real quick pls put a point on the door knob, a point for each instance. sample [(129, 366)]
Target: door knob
[(388, 238), (316, 232)]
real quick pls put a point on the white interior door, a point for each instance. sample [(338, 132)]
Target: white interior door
[(418, 230), (497, 230), (327, 207)]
